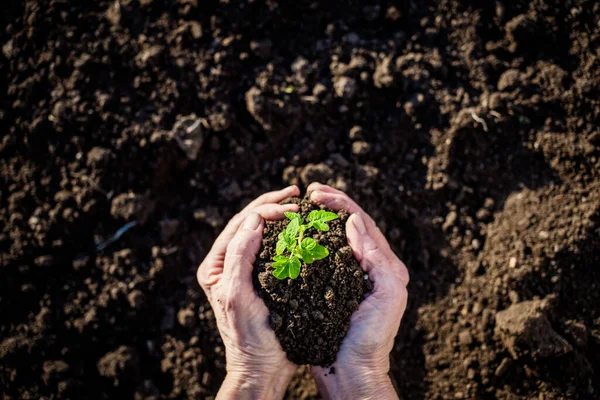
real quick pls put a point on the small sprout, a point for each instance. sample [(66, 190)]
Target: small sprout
[(289, 89), (297, 247)]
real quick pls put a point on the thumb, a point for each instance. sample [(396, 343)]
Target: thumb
[(242, 250), (372, 258)]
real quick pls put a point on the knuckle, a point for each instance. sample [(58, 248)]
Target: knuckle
[(239, 243)]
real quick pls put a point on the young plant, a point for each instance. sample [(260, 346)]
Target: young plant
[(292, 246)]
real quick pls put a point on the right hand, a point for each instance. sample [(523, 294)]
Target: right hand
[(362, 364)]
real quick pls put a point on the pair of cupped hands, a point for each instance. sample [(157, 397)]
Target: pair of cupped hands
[(257, 366)]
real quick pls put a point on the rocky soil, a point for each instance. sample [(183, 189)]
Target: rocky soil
[(132, 130)]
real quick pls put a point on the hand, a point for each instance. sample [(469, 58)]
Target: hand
[(362, 364), (257, 366)]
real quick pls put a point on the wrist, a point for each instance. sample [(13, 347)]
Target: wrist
[(358, 382), (247, 385)]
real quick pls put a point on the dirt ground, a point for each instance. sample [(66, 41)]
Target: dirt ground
[(468, 129)]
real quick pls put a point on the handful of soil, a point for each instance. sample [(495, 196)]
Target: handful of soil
[(311, 314)]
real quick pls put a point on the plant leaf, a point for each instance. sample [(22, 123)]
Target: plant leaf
[(308, 244), (290, 241), (319, 252), (294, 266), (286, 268), (322, 215), (318, 219), (305, 255), (292, 216), (281, 246), (321, 226), (293, 227)]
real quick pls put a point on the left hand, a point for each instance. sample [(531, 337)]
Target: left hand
[(257, 366)]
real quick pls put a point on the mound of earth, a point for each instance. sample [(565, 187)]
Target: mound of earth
[(311, 313)]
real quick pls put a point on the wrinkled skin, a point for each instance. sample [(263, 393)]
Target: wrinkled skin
[(257, 367)]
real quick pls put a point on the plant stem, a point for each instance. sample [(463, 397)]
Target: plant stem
[(301, 236)]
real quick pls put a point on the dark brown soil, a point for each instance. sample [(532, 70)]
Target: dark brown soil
[(469, 130), (311, 314)]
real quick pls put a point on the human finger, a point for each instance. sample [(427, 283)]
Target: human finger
[(366, 250), (368, 241), (273, 197), (211, 267), (324, 188), (274, 211), (241, 252), (335, 201), (340, 200)]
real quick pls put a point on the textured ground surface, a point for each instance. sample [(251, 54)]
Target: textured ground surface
[(468, 129)]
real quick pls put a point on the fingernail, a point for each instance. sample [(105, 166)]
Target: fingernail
[(252, 221), (359, 223)]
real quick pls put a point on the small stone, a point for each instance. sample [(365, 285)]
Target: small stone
[(7, 49), (508, 80), (482, 214), (125, 206), (475, 244), (148, 55), (471, 374), (99, 157), (543, 235), (356, 133), (318, 315), (524, 328), (120, 365), (300, 65), (465, 338), (495, 101), (450, 220), (186, 317), (345, 87), (44, 261), (54, 370), (512, 262), (136, 299), (393, 14), (113, 14), (329, 295), (383, 77), (319, 90), (577, 331), (360, 148)]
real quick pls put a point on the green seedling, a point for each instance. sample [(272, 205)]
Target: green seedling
[(292, 247)]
